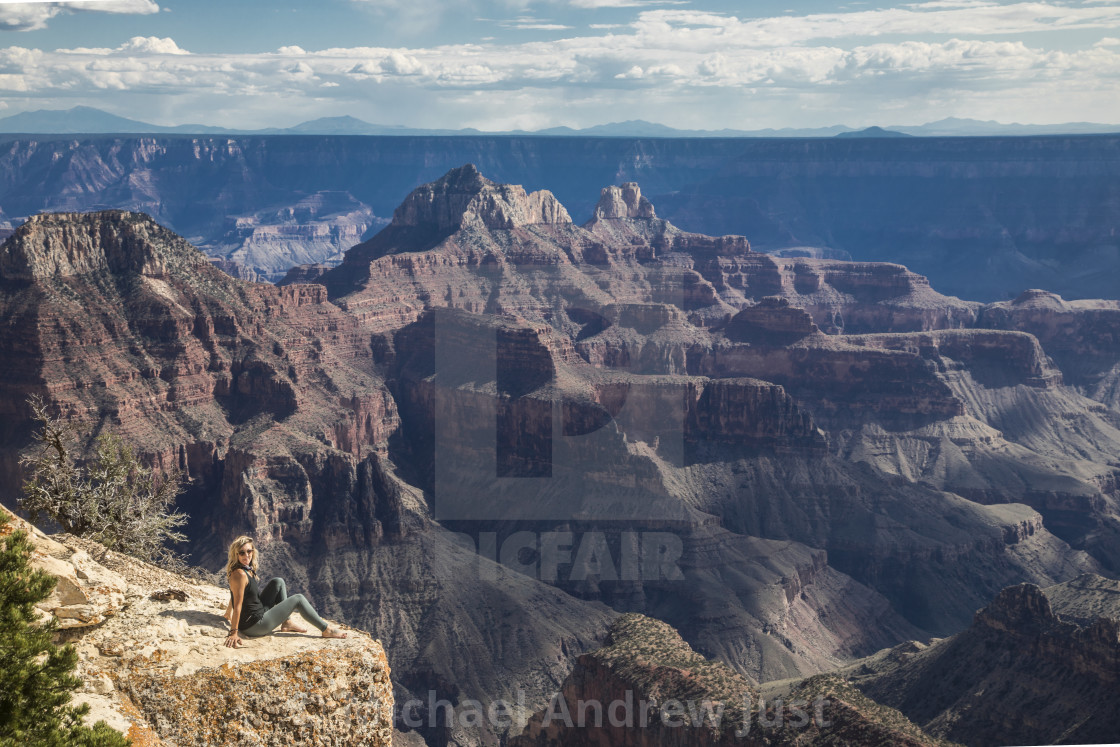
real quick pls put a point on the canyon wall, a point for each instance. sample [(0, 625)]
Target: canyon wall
[(983, 218), (490, 431)]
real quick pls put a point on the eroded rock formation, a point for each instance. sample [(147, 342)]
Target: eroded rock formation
[(646, 686), (154, 666), (981, 217), (467, 436), (1056, 649)]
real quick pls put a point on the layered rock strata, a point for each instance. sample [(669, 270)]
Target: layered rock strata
[(1081, 337), (1037, 666), (318, 228), (461, 437), (982, 217)]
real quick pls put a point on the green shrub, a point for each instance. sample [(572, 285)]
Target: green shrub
[(36, 676), (114, 500)]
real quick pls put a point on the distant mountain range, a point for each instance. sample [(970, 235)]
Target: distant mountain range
[(89, 120)]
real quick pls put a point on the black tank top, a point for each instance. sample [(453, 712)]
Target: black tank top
[(252, 610)]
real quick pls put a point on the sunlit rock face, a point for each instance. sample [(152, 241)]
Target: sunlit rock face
[(152, 663)]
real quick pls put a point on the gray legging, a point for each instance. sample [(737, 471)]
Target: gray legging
[(274, 596)]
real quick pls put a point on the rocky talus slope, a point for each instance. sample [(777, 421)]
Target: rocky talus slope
[(1037, 666), (646, 686), (153, 663)]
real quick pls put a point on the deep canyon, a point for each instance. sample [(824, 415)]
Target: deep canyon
[(982, 217), (507, 419)]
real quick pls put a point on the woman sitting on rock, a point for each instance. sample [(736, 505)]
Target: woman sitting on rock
[(257, 612)]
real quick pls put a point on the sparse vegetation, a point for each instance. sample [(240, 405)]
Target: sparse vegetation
[(36, 676), (114, 500), (651, 655)]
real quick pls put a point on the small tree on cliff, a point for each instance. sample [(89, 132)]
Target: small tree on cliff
[(115, 500), (36, 676)]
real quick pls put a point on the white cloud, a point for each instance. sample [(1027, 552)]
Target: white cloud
[(151, 45), (616, 3), (399, 63), (529, 23), (25, 16), (528, 26), (689, 63), (984, 19)]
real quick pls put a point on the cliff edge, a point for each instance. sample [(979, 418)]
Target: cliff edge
[(153, 663)]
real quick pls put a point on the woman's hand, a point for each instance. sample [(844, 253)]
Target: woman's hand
[(233, 640)]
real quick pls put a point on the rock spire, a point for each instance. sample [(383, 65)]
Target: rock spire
[(623, 202), (463, 196)]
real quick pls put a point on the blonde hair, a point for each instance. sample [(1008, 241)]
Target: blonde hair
[(233, 563)]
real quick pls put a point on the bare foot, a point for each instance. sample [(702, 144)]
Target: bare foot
[(291, 627), (333, 633)]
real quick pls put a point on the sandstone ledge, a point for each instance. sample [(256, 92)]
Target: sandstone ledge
[(154, 665), (335, 696)]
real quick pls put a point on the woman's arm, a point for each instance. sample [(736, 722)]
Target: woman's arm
[(237, 583)]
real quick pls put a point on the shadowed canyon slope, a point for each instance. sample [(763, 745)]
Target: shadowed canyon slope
[(983, 217), (1036, 666), (490, 430), (655, 690)]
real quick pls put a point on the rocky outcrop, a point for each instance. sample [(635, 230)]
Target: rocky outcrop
[(840, 381), (1056, 648), (323, 697), (63, 245), (153, 664), (841, 297), (625, 201), (85, 593), (1082, 337), (643, 664), (770, 322), (118, 322), (993, 358), (463, 196), (646, 686)]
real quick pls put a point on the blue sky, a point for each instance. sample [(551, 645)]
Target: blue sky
[(504, 64)]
